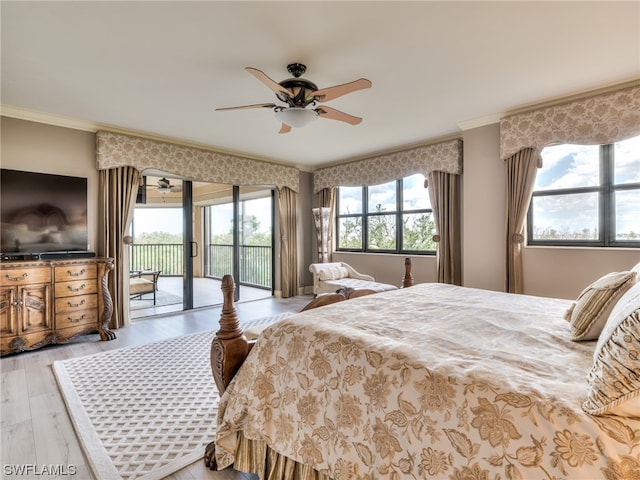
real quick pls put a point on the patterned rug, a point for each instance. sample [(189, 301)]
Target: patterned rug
[(142, 413), (162, 298)]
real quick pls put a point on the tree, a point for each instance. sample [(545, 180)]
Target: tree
[(418, 232), (162, 238)]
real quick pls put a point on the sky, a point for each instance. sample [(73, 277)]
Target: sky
[(169, 219), (147, 220), (572, 166), (415, 196)]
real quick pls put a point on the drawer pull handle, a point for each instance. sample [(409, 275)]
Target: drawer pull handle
[(76, 320), (81, 287), (82, 302), (17, 279), (76, 274)]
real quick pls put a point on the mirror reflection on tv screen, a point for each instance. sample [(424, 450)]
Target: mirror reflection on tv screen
[(42, 212)]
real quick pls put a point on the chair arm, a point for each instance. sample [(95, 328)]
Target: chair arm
[(353, 273)]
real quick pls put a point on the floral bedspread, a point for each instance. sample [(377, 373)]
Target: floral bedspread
[(432, 381)]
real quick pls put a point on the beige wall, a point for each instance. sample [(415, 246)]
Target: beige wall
[(565, 272), (483, 204), (306, 236), (388, 268), (559, 272), (36, 147), (548, 272)]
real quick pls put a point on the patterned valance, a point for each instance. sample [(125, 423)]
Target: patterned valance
[(596, 120), (117, 150), (445, 157)]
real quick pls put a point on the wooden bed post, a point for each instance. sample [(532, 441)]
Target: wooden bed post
[(407, 280), (229, 347)]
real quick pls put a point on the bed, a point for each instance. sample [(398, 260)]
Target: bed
[(436, 381)]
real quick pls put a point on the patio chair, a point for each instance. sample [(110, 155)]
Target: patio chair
[(142, 282)]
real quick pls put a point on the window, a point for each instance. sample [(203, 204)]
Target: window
[(587, 195), (394, 217)]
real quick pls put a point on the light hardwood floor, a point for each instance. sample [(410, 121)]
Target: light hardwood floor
[(36, 429)]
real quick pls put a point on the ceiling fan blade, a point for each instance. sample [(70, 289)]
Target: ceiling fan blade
[(326, 94), (243, 107), (333, 114), (272, 84), (285, 128)]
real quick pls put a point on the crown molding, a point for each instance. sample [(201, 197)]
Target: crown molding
[(480, 121), (552, 102), (496, 117), (48, 118), (93, 127)]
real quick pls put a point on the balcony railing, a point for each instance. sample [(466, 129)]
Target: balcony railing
[(255, 261), (255, 264)]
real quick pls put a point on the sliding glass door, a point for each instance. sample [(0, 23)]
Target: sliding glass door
[(239, 240), (195, 233)]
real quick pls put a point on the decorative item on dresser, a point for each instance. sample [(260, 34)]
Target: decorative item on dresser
[(53, 301)]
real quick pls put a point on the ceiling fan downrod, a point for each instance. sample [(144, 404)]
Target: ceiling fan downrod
[(296, 69)]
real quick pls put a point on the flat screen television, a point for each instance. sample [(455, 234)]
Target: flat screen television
[(42, 212)]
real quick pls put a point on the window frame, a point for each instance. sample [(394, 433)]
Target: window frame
[(365, 215), (606, 190)]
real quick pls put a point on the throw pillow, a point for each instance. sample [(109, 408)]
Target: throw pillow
[(589, 313), (614, 378), (333, 273)]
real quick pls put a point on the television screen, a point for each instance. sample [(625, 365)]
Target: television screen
[(42, 212)]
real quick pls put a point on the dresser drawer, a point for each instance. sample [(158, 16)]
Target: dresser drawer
[(76, 318), (76, 287), (24, 276), (65, 273), (76, 303)]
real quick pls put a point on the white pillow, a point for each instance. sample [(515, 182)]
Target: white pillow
[(615, 376), (333, 273), (590, 311)]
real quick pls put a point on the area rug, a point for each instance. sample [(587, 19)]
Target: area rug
[(162, 298), (144, 412)]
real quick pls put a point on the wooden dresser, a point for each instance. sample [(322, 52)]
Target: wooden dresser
[(53, 301)]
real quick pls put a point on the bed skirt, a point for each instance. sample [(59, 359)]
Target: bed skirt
[(254, 456)]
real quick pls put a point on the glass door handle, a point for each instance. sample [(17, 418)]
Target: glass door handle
[(194, 249)]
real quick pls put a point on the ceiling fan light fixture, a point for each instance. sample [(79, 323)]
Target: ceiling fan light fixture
[(296, 116)]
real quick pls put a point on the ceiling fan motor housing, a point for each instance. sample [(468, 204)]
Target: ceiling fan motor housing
[(301, 89)]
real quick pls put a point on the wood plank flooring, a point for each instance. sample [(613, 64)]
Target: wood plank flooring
[(35, 427)]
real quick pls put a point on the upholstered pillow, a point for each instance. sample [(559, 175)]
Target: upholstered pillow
[(589, 313), (615, 376), (333, 273)]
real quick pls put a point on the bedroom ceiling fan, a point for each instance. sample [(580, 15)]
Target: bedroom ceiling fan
[(164, 186), (299, 93)]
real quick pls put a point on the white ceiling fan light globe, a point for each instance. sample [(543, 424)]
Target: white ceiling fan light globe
[(296, 116)]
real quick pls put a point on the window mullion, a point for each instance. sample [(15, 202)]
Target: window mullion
[(365, 219), (399, 223), (607, 215)]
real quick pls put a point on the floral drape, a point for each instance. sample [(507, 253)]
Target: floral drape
[(116, 150), (118, 189), (444, 157), (605, 118), (287, 215), (444, 190)]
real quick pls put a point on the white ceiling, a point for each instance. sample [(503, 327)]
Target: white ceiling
[(161, 68)]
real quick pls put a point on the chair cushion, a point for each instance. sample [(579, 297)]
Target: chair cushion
[(359, 284), (140, 285)]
